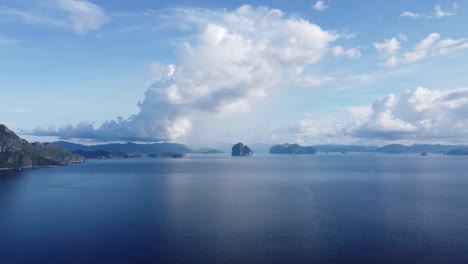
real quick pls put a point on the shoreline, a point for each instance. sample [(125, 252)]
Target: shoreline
[(40, 167)]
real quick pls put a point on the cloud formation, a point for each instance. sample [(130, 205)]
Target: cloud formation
[(432, 45), (320, 5), (438, 13), (83, 15), (340, 51), (418, 114), (231, 59), (79, 15)]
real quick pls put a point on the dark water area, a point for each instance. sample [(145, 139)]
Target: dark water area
[(355, 208)]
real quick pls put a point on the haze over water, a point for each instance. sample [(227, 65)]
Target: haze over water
[(355, 208)]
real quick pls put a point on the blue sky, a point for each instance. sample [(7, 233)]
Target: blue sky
[(364, 72)]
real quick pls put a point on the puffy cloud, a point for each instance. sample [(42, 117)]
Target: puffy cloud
[(320, 5), (233, 58), (80, 15), (388, 46), (432, 45), (339, 51), (418, 114)]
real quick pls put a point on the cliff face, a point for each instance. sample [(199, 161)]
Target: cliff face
[(18, 153)]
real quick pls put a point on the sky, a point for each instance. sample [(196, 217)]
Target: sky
[(309, 72)]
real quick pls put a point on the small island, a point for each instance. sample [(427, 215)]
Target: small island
[(240, 149), (292, 149)]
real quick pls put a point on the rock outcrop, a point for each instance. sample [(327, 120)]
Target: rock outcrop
[(240, 150)]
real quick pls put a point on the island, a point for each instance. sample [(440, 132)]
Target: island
[(458, 152), (240, 149), (292, 149), (18, 153)]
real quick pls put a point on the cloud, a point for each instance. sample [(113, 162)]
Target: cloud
[(432, 45), (339, 51), (410, 14), (79, 15), (438, 13), (418, 114), (312, 81), (228, 60), (320, 5), (388, 46), (83, 15)]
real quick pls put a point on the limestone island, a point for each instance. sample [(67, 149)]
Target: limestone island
[(240, 150)]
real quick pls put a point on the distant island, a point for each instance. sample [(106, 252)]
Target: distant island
[(240, 149), (292, 149), (458, 152), (18, 153)]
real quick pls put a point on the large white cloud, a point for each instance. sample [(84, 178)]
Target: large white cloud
[(419, 114), (228, 59)]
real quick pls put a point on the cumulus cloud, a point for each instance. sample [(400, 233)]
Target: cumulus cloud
[(340, 51), (233, 58), (388, 46), (320, 5), (432, 45), (418, 114), (79, 15), (438, 13)]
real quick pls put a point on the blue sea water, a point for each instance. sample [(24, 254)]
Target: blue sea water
[(355, 208)]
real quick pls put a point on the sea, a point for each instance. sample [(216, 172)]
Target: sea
[(326, 208)]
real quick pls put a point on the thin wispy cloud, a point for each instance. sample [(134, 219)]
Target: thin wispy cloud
[(431, 46), (438, 13), (80, 16)]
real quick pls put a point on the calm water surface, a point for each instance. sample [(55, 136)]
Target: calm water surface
[(356, 208)]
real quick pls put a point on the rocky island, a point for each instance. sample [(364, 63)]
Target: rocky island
[(292, 149), (240, 150), (18, 153)]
